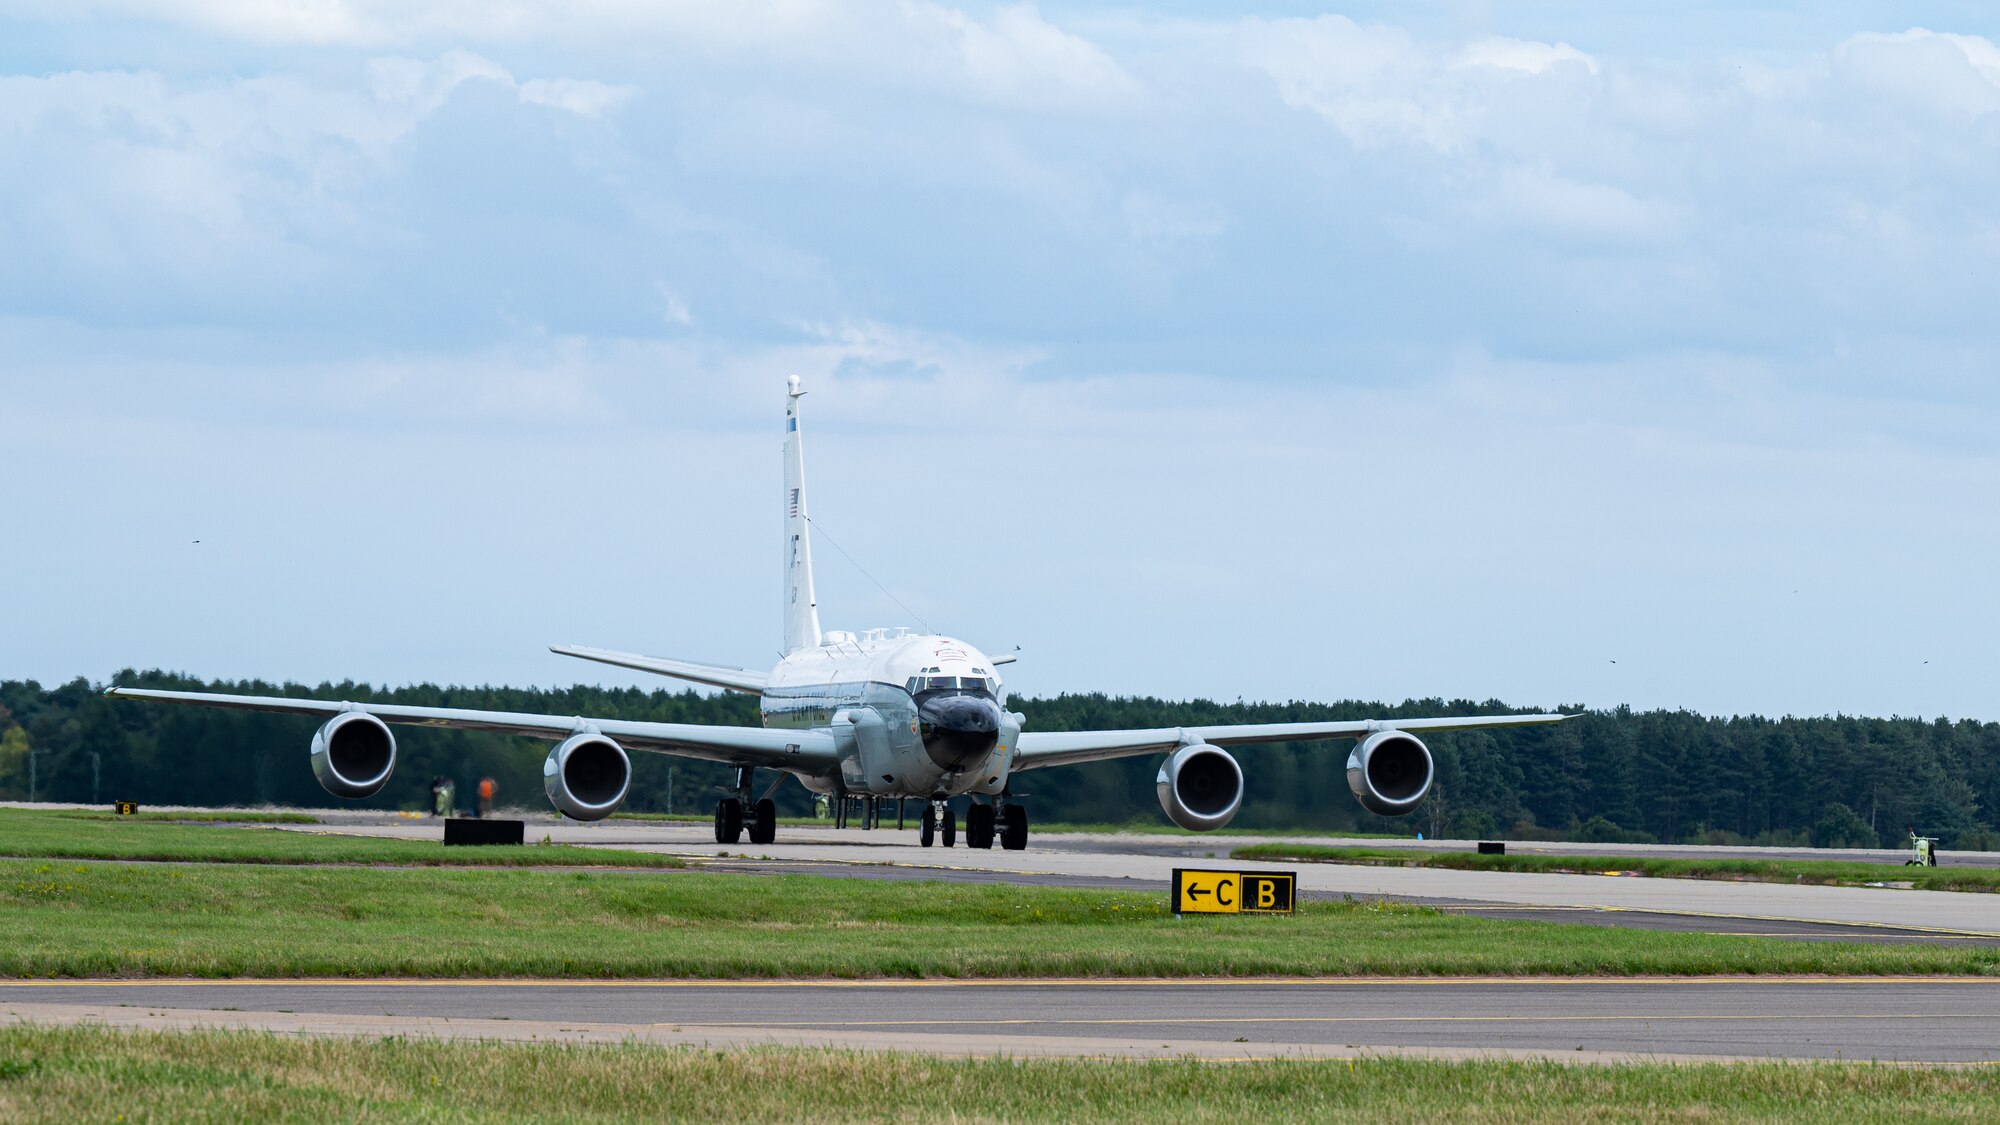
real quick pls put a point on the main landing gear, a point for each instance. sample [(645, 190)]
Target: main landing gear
[(730, 820), (1014, 827), (983, 824)]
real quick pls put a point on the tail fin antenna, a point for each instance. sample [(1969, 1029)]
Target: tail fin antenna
[(801, 604)]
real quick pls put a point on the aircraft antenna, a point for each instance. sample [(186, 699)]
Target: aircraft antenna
[(864, 573)]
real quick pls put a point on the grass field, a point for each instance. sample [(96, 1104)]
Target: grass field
[(99, 919), (94, 1074), (71, 835), (202, 816), (1825, 872)]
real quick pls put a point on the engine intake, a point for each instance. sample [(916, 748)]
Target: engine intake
[(1200, 787), (586, 776), (353, 755), (1390, 772)]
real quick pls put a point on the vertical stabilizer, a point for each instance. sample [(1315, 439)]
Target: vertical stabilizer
[(801, 604)]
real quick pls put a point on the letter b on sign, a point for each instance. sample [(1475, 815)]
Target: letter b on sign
[(1267, 894)]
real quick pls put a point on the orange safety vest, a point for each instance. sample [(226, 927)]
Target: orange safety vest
[(486, 788)]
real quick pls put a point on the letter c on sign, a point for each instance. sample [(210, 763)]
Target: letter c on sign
[(1219, 888)]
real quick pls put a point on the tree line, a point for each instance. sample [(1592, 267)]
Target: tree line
[(1667, 776)]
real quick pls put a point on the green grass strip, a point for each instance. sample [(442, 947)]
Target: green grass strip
[(96, 919), (57, 835), (1814, 871), (96, 1074), (204, 816)]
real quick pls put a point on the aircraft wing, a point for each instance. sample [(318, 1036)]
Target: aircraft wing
[(713, 675), (1041, 749), (810, 751)]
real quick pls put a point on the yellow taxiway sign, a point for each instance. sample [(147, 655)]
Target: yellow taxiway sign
[(1233, 892)]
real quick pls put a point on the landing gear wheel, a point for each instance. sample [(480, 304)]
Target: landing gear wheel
[(927, 828), (1014, 828), (764, 822), (979, 826), (950, 828), (728, 820)]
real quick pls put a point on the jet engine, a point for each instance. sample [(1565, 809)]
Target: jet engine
[(1389, 772), (1200, 787), (586, 777), (353, 755)]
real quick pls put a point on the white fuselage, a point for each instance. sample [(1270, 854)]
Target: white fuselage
[(914, 715)]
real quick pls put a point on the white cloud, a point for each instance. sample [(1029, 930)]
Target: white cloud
[(1957, 74), (579, 96), (1020, 58), (1524, 55), (1369, 82), (674, 310), (176, 191), (425, 84), (1014, 57), (1378, 85), (1544, 200)]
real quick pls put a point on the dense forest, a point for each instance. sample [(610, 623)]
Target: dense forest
[(1606, 775)]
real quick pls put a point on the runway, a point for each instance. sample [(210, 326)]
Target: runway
[(1905, 1020), (1851, 913)]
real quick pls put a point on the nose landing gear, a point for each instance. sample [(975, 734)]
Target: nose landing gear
[(938, 820)]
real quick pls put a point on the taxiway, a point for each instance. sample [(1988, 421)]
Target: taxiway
[(1894, 1020)]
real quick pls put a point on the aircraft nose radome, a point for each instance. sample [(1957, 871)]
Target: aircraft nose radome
[(960, 730), (963, 714)]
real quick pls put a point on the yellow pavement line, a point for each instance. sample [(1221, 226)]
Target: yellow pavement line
[(996, 982), (1175, 1021), (1797, 935)]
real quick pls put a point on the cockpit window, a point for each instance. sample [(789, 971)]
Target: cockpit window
[(921, 684)]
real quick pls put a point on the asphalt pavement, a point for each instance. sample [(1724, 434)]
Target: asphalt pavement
[(1893, 1020)]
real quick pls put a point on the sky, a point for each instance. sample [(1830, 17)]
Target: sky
[(1556, 353)]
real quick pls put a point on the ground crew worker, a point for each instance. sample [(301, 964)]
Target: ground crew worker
[(438, 805), (487, 788)]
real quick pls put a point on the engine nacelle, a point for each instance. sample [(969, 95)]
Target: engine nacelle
[(1390, 772), (1200, 787), (586, 777), (353, 755)]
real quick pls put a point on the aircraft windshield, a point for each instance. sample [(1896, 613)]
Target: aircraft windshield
[(921, 684)]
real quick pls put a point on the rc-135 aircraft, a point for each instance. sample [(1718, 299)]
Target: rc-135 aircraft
[(883, 715)]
